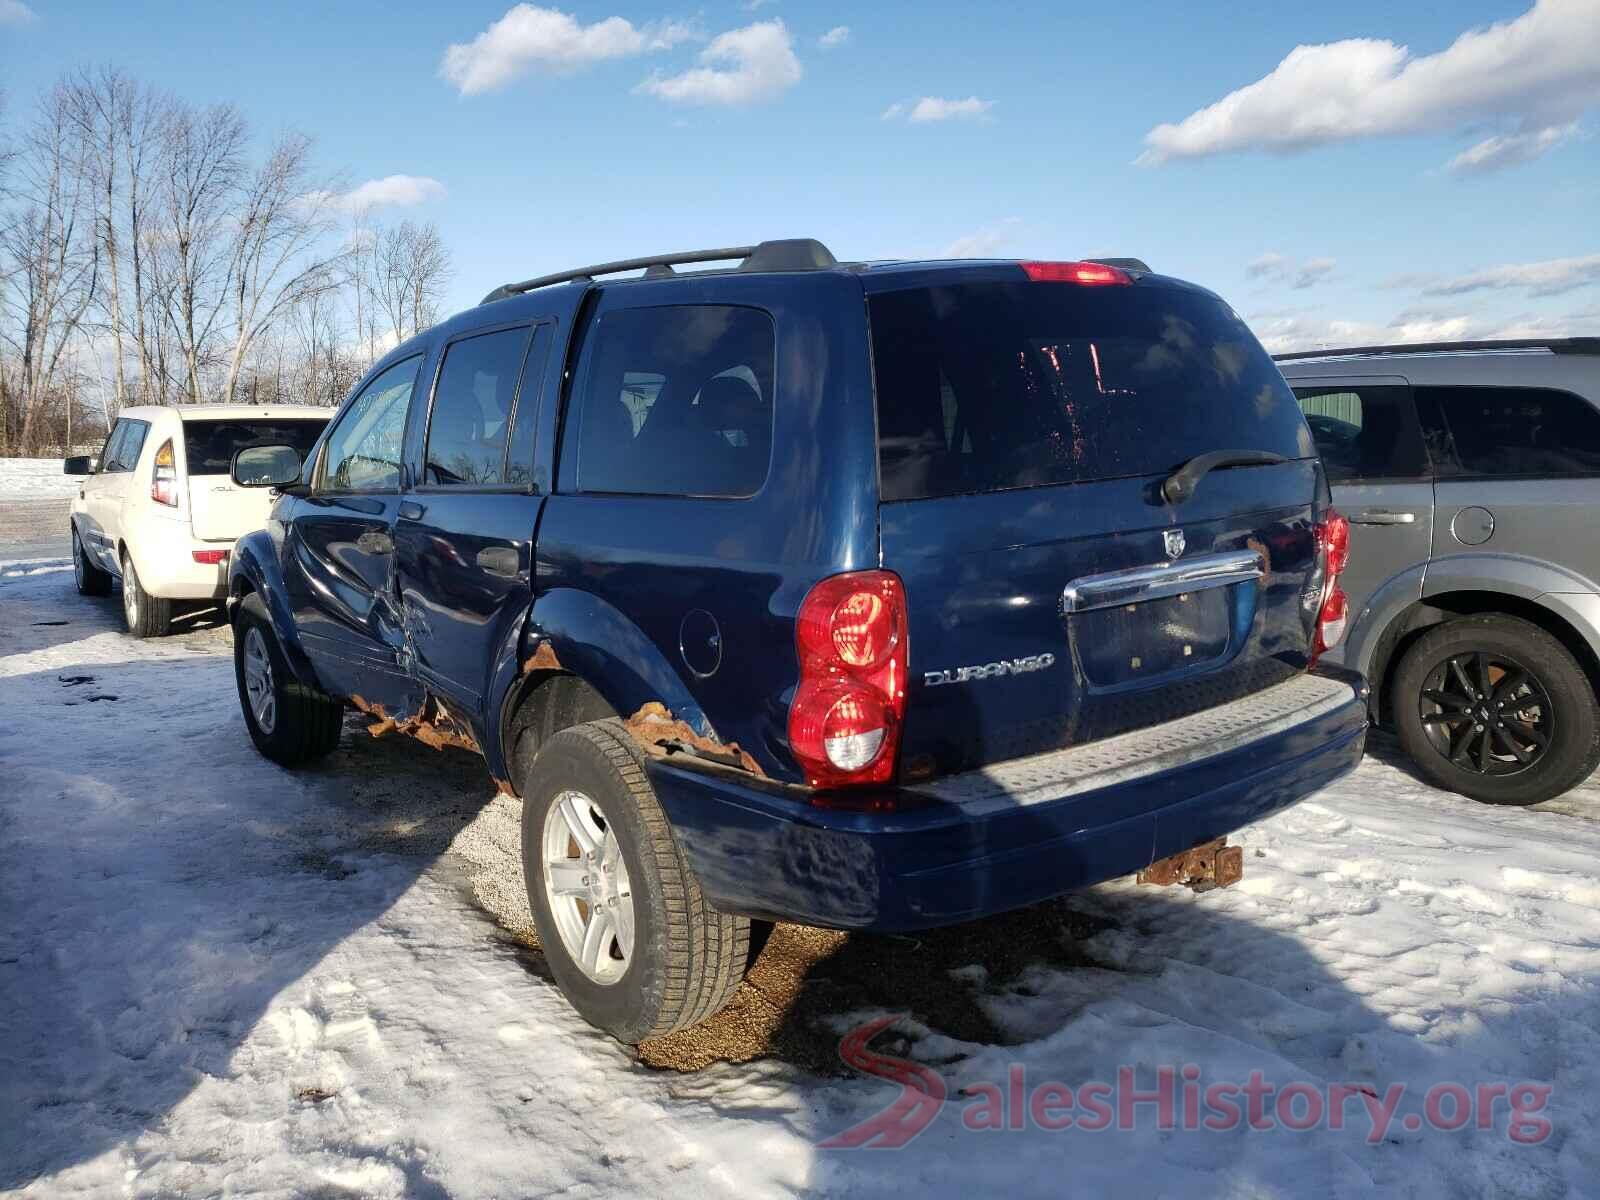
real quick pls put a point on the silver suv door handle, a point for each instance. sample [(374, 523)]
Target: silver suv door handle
[(1383, 516)]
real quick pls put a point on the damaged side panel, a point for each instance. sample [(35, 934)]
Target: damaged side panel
[(656, 729), (432, 724)]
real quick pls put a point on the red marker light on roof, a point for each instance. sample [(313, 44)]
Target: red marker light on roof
[(1089, 273)]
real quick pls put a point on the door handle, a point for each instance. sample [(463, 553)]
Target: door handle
[(411, 511), (1383, 516), (499, 560)]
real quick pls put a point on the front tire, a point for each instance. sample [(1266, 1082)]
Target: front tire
[(147, 616), (289, 722), (1497, 709), (628, 935), (91, 580)]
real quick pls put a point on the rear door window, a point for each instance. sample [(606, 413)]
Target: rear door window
[(209, 446), (673, 401), (1365, 432), (472, 404), (983, 387), (1490, 431), (126, 443)]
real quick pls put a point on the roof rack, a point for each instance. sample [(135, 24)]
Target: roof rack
[(784, 254), (1572, 345)]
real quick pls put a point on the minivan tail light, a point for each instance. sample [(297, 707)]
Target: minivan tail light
[(164, 479), (1075, 272), (845, 719), (1333, 609)]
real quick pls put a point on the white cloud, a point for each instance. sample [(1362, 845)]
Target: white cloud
[(533, 39), (1510, 149), (1539, 70), (1279, 268), (1285, 332), (837, 36), (984, 243), (392, 191), (16, 13), (741, 66), (1548, 278), (937, 108)]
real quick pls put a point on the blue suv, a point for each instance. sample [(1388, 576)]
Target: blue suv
[(875, 596)]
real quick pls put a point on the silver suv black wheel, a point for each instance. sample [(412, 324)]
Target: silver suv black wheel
[(1497, 709)]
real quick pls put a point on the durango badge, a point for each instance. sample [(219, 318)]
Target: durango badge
[(1006, 666), (1175, 542)]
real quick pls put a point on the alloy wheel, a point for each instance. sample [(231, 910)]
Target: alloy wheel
[(258, 681), (1486, 713), (587, 887)]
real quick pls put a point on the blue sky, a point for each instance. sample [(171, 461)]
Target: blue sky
[(1320, 202)]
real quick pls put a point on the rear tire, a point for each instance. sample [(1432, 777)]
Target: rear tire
[(597, 848), (91, 580), (147, 616), (1495, 708), (289, 722)]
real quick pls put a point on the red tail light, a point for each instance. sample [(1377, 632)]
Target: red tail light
[(210, 558), (1075, 272), (1333, 614), (844, 722), (164, 479)]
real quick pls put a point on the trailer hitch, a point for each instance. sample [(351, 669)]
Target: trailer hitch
[(1210, 865)]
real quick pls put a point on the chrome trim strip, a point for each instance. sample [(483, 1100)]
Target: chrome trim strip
[(1138, 584)]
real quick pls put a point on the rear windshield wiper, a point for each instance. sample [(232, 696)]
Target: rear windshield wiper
[(1180, 485)]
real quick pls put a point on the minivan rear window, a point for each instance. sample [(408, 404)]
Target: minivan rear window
[(209, 446), (983, 387)]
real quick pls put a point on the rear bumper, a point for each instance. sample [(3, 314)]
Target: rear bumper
[(974, 845), (163, 552)]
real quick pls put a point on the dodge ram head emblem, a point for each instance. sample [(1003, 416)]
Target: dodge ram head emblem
[(1174, 540)]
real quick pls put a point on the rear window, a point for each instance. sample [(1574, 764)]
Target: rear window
[(209, 446), (987, 386)]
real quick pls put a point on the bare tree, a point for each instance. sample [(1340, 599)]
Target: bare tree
[(50, 263), (120, 122), (409, 270), (273, 265), (192, 238)]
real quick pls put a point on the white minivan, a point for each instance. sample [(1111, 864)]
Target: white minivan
[(159, 507)]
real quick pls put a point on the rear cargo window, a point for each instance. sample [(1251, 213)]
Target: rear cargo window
[(987, 386), (209, 446)]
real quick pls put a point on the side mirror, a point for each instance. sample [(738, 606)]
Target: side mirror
[(266, 466), (79, 464)]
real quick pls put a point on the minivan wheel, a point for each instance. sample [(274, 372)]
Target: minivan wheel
[(1497, 709), (289, 722), (146, 615), (91, 580), (628, 935)]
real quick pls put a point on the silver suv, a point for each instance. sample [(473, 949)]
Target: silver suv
[(1470, 472)]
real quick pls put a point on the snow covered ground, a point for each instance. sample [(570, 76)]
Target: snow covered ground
[(217, 976), (35, 478)]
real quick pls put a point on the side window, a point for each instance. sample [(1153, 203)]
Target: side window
[(525, 423), (673, 401), (1511, 431), (1365, 433), (363, 451), (108, 453), (125, 446), (471, 414)]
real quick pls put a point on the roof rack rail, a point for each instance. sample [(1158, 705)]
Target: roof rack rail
[(1571, 345), (784, 254), (1125, 264)]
